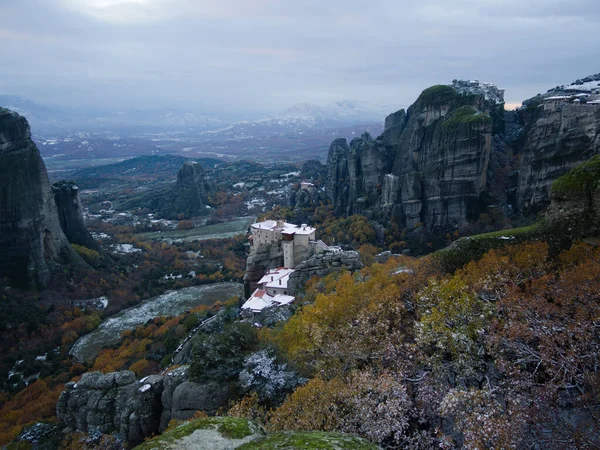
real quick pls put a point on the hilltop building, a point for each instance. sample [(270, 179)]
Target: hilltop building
[(297, 241), (555, 102), (489, 90), (297, 244)]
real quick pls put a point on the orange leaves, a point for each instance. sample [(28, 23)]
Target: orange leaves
[(35, 403), (143, 367)]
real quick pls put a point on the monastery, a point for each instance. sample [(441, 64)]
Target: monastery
[(298, 243)]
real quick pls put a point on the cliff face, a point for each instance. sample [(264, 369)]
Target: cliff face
[(260, 260), (31, 238), (555, 141), (428, 166), (68, 203)]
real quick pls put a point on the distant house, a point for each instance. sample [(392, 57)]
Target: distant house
[(308, 187)]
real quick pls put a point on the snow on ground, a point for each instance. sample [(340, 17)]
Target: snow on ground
[(256, 202), (96, 303), (170, 303), (172, 276), (589, 86), (290, 174), (124, 249)]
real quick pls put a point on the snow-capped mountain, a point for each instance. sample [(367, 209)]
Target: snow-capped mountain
[(339, 113), (305, 118)]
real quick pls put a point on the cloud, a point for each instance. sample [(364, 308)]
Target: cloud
[(261, 56)]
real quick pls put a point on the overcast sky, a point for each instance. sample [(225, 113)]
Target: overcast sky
[(261, 56)]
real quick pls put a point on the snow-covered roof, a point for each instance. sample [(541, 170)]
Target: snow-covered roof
[(260, 300), (281, 299), (265, 225), (282, 281), (273, 276), (558, 97), (287, 228), (298, 229), (589, 86)]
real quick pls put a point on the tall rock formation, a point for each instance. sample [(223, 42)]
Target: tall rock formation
[(31, 239), (68, 203), (429, 166), (557, 137), (190, 190)]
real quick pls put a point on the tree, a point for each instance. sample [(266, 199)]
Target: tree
[(220, 356), (269, 379)]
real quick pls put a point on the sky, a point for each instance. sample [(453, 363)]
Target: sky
[(262, 56)]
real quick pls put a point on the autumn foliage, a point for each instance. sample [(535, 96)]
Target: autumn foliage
[(503, 353)]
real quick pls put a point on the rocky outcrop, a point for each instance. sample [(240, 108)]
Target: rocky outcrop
[(190, 397), (209, 433), (429, 166), (555, 140), (322, 265), (191, 190), (68, 204), (117, 402), (575, 200), (260, 260), (32, 242), (229, 433)]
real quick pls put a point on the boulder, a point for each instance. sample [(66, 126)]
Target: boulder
[(190, 397), (321, 265)]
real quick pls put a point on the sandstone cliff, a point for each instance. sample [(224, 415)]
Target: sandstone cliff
[(31, 239), (68, 203), (428, 166)]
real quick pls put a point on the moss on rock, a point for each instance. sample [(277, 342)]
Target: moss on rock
[(466, 115), (229, 428), (309, 440), (440, 93), (583, 179)]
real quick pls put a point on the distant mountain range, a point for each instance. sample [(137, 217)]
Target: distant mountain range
[(301, 132), (52, 120), (47, 120)]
